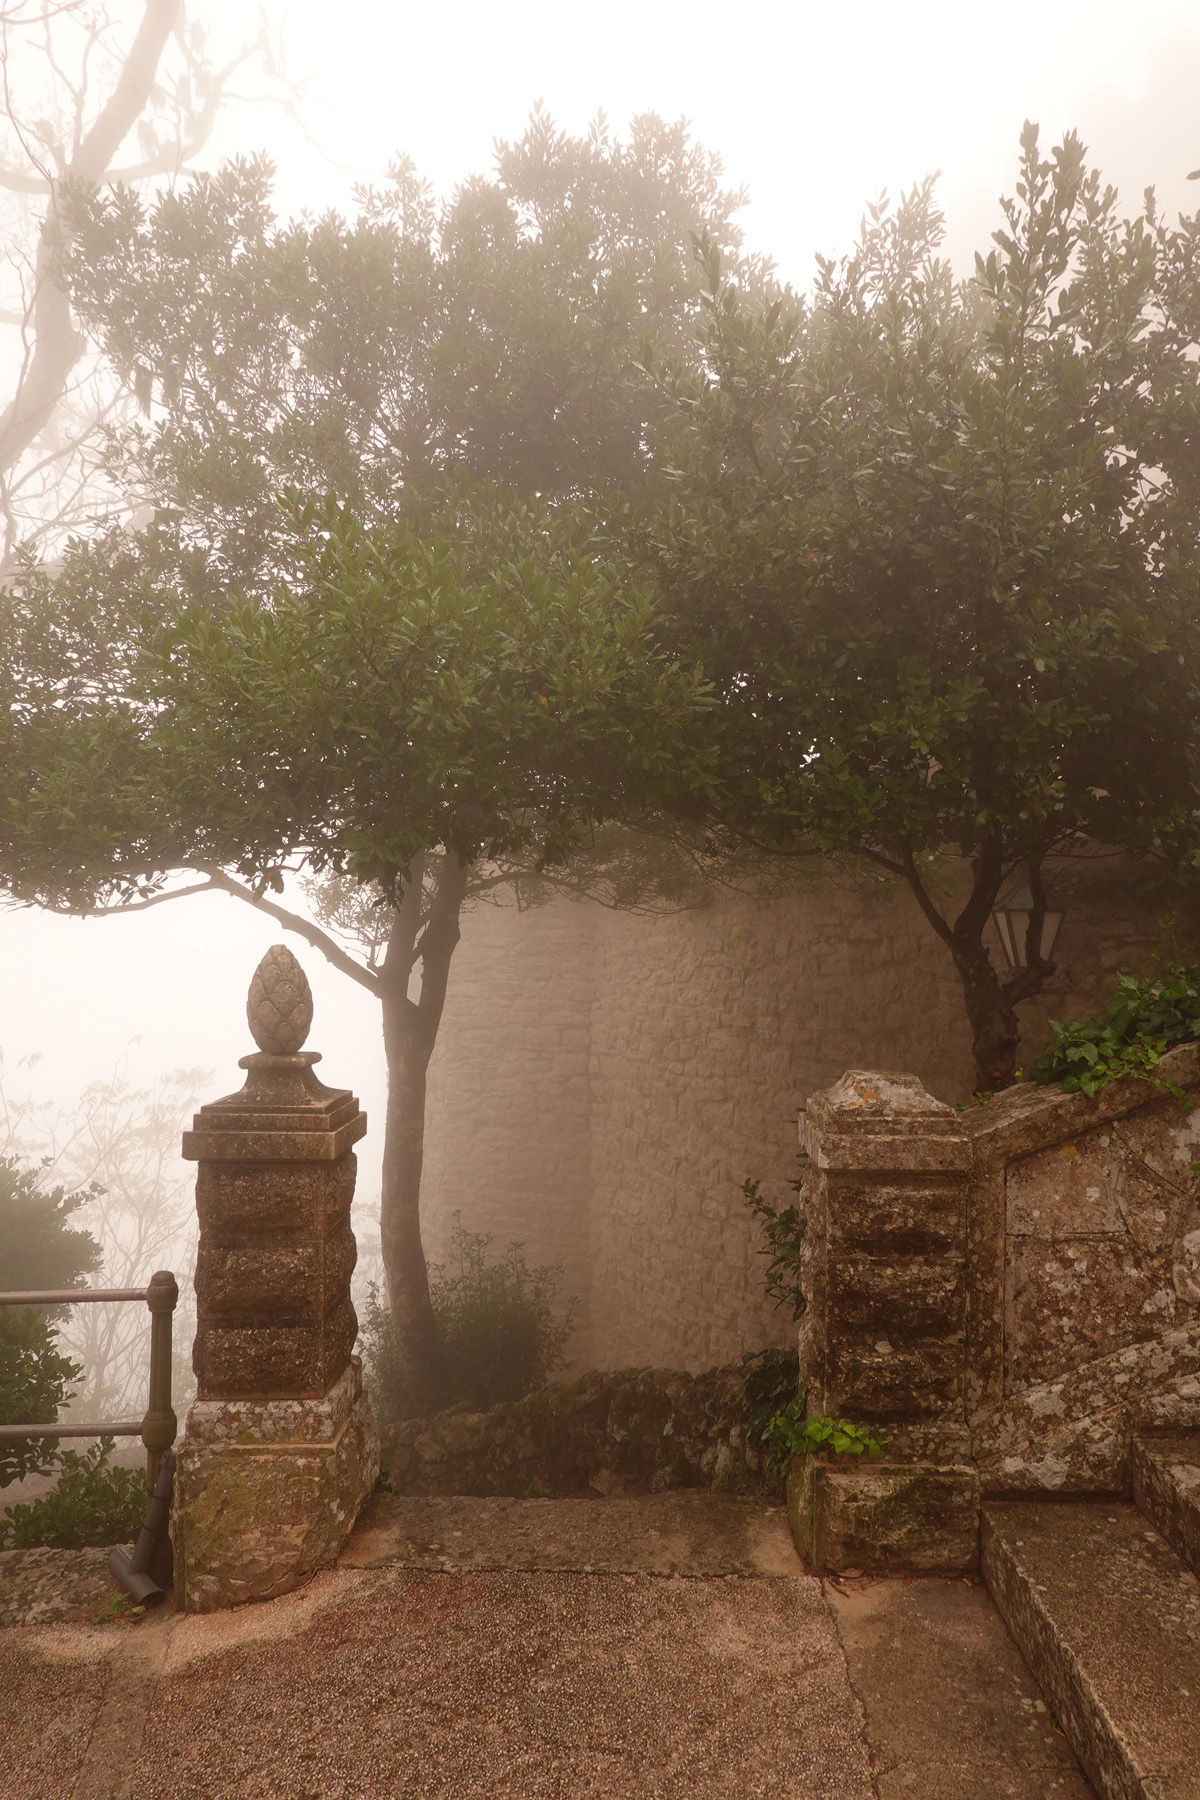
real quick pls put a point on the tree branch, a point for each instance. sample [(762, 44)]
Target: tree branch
[(57, 344), (312, 934), (911, 875)]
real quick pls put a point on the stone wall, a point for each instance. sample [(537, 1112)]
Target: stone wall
[(509, 1109), (604, 1082), (1013, 1288)]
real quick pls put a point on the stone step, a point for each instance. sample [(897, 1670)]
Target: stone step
[(1166, 1485), (1108, 1619)]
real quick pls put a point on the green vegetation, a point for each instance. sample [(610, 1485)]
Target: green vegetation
[(937, 546), (1142, 1022), (783, 1229), (38, 1249), (93, 1503), (497, 1320), (790, 1434), (770, 1383)]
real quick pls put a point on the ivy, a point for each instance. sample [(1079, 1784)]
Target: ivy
[(1143, 1020)]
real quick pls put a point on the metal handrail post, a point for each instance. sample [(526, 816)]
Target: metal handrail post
[(159, 1424)]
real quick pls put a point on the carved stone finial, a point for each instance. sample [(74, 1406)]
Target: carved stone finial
[(279, 1006)]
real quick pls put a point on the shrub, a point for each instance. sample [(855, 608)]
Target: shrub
[(1144, 1020), (93, 1503), (38, 1249), (783, 1229), (497, 1323), (770, 1384), (34, 1383)]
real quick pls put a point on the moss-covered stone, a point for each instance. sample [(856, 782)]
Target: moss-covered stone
[(611, 1431), (879, 1518), (256, 1518)]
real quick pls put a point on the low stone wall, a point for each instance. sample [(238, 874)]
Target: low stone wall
[(610, 1432), (1010, 1291)]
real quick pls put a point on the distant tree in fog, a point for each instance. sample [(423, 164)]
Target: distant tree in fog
[(78, 88), (114, 1159), (40, 1247)]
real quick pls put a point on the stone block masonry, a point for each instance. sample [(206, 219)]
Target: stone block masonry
[(1009, 1293), (605, 1081), (280, 1450)]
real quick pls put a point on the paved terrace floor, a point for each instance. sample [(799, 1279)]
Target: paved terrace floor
[(667, 1647)]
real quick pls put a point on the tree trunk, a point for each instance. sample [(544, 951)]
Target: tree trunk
[(990, 1001), (404, 1263), (409, 1034), (996, 1032)]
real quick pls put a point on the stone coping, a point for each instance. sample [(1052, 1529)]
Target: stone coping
[(254, 1424), (231, 1143)]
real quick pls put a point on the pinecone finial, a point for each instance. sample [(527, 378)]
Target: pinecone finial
[(279, 1006)]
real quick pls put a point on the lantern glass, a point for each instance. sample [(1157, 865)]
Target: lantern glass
[(1011, 918)]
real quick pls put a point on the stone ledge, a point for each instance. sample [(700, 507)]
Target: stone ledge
[(251, 1424)]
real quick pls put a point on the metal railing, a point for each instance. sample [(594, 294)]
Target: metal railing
[(158, 1425)]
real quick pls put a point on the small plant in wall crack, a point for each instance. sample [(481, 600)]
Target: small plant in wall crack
[(790, 1434), (783, 1228)]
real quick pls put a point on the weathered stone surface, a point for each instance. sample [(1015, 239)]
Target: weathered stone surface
[(276, 1180), (292, 1283), (609, 1432), (883, 1121), (914, 1297), (1073, 1435), (279, 1006), (691, 1533), (881, 1518), (257, 1515), (1108, 1619), (218, 1422), (883, 1382), (1072, 1300), (921, 1215), (1166, 1487), (952, 1712), (243, 1200), (884, 1253), (269, 1361), (282, 1114)]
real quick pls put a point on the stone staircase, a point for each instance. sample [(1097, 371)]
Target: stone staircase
[(1102, 1598)]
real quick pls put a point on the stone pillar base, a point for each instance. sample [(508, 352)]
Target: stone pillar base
[(267, 1491), (884, 1518)]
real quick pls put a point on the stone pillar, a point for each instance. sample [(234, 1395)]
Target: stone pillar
[(883, 1342), (280, 1450)]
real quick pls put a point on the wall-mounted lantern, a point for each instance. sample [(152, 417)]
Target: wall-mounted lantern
[(1011, 916)]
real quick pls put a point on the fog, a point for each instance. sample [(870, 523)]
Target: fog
[(814, 109)]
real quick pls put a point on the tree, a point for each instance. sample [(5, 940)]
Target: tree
[(76, 89), (38, 1249), (478, 696), (496, 340), (937, 546)]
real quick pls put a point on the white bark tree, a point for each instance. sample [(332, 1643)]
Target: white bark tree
[(87, 98)]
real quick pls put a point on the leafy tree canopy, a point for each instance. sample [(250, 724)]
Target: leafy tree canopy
[(488, 687), (493, 338), (938, 545)]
